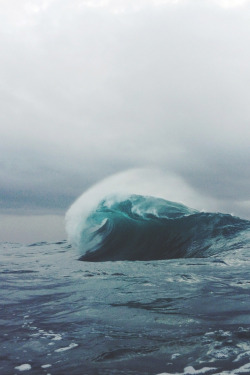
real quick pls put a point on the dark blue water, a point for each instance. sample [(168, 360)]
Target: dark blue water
[(60, 315), (174, 301)]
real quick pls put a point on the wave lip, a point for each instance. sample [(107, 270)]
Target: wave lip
[(148, 228)]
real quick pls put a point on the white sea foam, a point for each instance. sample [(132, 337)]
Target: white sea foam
[(24, 367), (71, 346), (43, 334), (46, 366), (189, 370), (245, 369), (242, 355)]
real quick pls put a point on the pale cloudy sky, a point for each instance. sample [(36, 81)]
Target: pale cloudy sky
[(94, 87)]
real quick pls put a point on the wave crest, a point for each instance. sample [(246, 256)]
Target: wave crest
[(148, 228)]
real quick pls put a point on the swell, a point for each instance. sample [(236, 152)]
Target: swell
[(148, 228), (195, 236)]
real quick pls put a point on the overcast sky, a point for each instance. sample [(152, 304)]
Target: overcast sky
[(89, 88)]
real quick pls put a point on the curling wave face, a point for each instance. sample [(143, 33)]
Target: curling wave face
[(148, 228)]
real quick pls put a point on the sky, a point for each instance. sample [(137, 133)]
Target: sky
[(92, 88)]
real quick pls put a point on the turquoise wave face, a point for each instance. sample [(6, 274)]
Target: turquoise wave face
[(149, 228)]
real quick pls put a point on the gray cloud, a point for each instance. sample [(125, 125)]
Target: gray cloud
[(87, 91)]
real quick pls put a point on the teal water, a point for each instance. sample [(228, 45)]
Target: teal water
[(147, 228)]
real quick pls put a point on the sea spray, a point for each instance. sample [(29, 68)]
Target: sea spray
[(141, 181)]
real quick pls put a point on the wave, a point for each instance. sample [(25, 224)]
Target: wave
[(140, 227)]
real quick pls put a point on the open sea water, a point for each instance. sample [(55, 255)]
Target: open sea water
[(62, 316)]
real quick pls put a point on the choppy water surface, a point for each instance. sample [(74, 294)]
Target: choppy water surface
[(180, 316)]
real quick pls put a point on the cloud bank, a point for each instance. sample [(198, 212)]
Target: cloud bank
[(92, 88)]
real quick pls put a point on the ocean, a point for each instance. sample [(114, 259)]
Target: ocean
[(142, 286)]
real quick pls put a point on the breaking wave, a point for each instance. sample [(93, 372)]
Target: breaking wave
[(138, 227)]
